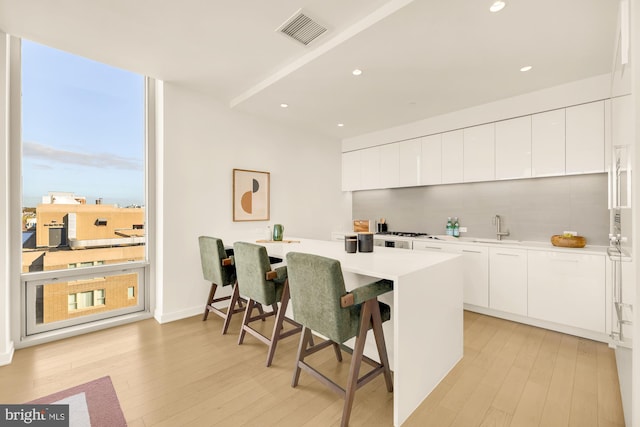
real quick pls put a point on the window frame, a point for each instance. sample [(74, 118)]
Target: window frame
[(19, 281)]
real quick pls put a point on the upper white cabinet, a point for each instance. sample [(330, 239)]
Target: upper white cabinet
[(508, 280), (479, 153), (370, 168), (585, 138), (389, 168), (452, 156), (566, 141), (568, 289), (548, 143), (431, 161), (351, 171), (410, 162), (513, 148)]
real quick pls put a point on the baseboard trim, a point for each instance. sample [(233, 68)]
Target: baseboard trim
[(570, 330), (7, 357), (177, 315)]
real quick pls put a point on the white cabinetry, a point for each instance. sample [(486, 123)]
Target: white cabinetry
[(431, 160), (370, 168), (351, 171), (452, 157), (479, 153), (585, 138), (548, 143), (508, 280), (410, 162), (476, 268), (389, 168), (513, 148), (568, 289)]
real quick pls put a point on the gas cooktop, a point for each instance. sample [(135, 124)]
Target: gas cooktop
[(401, 234)]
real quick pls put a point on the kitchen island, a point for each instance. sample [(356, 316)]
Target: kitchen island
[(425, 334)]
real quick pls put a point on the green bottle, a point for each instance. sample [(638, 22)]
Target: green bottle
[(449, 227), (456, 227)]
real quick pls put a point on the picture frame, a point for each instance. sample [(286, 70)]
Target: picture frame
[(251, 195)]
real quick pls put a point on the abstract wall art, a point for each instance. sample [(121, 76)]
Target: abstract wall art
[(250, 195)]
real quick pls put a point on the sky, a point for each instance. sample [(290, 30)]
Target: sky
[(82, 128)]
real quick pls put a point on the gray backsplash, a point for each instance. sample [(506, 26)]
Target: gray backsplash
[(531, 209)]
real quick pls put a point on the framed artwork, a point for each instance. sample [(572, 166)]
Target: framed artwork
[(251, 195)]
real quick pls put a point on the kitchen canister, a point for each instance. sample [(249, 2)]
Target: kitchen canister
[(365, 242), (278, 231), (351, 243)]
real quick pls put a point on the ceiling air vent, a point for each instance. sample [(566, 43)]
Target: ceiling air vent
[(302, 28)]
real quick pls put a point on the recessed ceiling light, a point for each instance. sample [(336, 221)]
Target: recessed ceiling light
[(283, 105), (340, 125), (356, 72), (526, 68), (497, 6)]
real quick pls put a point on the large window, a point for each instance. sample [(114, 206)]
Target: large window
[(83, 188)]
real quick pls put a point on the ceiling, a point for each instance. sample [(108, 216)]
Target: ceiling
[(419, 58)]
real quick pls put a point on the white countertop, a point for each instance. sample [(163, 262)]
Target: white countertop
[(385, 263), (506, 243)]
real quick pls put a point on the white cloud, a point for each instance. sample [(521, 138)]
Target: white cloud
[(35, 150)]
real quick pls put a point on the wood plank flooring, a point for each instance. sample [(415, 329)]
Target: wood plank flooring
[(185, 373)]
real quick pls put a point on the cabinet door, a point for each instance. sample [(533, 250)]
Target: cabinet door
[(351, 171), (513, 148), (548, 143), (431, 171), (508, 280), (585, 138), (452, 156), (410, 162), (476, 268), (479, 153), (370, 168), (568, 289), (389, 165), (476, 275)]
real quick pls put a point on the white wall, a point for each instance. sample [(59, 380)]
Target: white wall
[(573, 93), (200, 142)]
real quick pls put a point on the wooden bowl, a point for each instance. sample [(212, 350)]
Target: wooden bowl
[(568, 242)]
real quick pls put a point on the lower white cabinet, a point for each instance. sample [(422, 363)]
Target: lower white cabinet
[(568, 289), (476, 268), (508, 280)]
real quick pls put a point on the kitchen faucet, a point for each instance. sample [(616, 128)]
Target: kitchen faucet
[(499, 234)]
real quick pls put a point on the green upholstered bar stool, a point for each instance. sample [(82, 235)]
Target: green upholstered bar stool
[(322, 304), (218, 269), (262, 287)]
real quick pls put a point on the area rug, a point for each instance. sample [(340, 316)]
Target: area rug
[(93, 404)]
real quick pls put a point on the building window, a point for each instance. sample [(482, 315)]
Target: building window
[(131, 292), (86, 299), (99, 297)]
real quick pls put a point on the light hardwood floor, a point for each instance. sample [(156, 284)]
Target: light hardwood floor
[(185, 373)]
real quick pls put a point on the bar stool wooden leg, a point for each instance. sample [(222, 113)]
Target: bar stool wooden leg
[(212, 292), (356, 361), (235, 298), (302, 350), (376, 320), (245, 319)]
